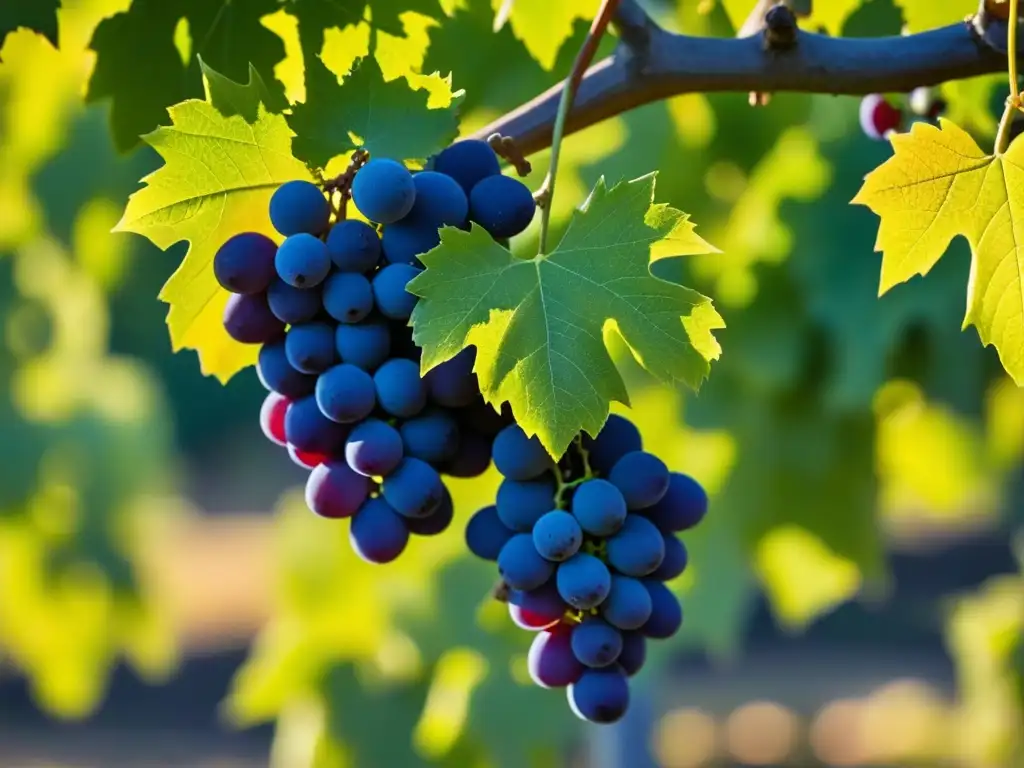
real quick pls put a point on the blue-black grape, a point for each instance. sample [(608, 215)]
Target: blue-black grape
[(354, 246), (383, 191), (596, 643), (637, 549), (676, 558), (473, 457), (666, 612), (432, 437), (309, 430), (345, 393), (365, 345), (440, 201), (557, 536), (293, 305), (628, 605), (277, 374), (389, 292), (245, 263), (347, 297), (333, 490), (400, 390), (583, 581), (453, 383), (502, 205), (486, 534), (617, 437), (248, 319), (310, 347), (521, 504), (642, 477), (634, 652), (520, 565), (378, 534), (374, 448), (600, 695), (519, 457), (299, 207), (468, 162), (272, 414), (413, 488), (302, 261), (682, 507), (405, 241), (599, 507), (436, 522)]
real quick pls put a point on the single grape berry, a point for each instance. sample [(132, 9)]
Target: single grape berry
[(628, 605), (248, 319), (389, 292), (299, 207), (634, 652), (354, 246), (682, 507), (599, 507), (617, 437), (521, 504), (675, 561), (272, 413), (383, 191), (539, 608), (405, 241), (347, 297), (468, 162), (521, 566), (374, 448), (502, 205), (365, 345), (637, 549), (642, 478), (413, 488), (666, 612), (302, 261), (583, 581), (486, 534), (333, 490), (432, 437), (596, 643), (879, 118), (600, 695), (245, 263), (293, 305), (309, 430), (557, 536), (277, 374), (345, 394), (519, 457), (400, 390), (310, 347), (453, 383), (378, 534), (440, 201)]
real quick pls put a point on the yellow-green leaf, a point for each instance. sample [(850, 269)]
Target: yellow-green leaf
[(940, 184), (544, 25), (217, 180), (538, 324)]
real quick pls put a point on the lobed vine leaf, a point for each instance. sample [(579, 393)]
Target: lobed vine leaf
[(940, 184), (387, 118), (143, 61), (217, 180), (538, 324), (38, 15), (316, 16), (231, 98)]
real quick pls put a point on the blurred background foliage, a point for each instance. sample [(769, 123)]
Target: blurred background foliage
[(836, 431)]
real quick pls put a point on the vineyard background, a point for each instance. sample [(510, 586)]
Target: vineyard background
[(853, 597)]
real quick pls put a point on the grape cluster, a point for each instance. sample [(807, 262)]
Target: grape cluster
[(330, 309), (585, 547)]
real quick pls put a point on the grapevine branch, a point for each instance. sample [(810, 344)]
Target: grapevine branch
[(651, 64)]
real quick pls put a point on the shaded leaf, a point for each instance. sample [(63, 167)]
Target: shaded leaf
[(38, 15)]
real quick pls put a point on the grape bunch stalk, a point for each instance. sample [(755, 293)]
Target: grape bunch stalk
[(585, 546), (330, 309)]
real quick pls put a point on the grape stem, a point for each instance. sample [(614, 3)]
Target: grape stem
[(1013, 103), (580, 65)]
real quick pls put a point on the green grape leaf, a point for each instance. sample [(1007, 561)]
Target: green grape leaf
[(141, 69), (543, 25), (38, 15), (231, 98), (388, 119), (315, 16), (217, 181), (538, 324)]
